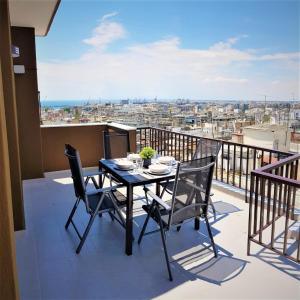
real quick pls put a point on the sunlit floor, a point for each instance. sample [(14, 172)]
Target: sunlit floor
[(49, 268)]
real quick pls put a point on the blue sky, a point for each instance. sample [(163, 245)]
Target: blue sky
[(171, 49)]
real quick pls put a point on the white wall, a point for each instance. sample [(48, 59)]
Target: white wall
[(267, 137)]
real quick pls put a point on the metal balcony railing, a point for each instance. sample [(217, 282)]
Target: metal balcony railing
[(234, 162)]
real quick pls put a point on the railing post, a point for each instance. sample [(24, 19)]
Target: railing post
[(250, 213)]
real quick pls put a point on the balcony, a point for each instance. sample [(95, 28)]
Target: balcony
[(48, 267), (255, 195)]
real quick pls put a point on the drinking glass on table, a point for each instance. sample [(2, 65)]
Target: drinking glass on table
[(155, 158), (129, 154), (139, 164)]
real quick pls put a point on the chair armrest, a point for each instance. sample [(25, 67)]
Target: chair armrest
[(104, 190), (157, 199), (92, 173)]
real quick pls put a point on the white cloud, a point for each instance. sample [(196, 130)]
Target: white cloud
[(228, 43), (106, 33), (110, 15), (165, 69)]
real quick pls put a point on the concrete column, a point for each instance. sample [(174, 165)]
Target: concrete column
[(11, 116), (8, 272), (28, 104)]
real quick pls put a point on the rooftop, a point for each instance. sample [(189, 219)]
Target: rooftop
[(266, 126)]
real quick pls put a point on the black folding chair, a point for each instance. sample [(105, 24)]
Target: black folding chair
[(208, 151), (115, 144), (190, 200), (96, 202)]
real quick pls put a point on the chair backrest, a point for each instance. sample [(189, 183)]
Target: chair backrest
[(76, 170), (207, 148), (115, 144), (191, 190)]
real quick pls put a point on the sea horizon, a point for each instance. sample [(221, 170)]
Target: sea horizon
[(77, 102)]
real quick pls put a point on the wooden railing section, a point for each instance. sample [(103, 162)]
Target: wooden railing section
[(273, 208)]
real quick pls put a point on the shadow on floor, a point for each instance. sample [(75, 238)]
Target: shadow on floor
[(50, 269)]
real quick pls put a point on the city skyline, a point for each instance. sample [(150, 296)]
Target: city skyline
[(170, 49)]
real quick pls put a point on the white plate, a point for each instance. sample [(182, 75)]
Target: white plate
[(159, 169), (167, 160), (122, 169), (124, 164), (160, 174)]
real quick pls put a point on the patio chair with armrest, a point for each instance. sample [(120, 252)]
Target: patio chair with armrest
[(117, 145), (104, 200), (190, 200), (208, 151)]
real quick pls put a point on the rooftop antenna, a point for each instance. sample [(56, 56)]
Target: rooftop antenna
[(265, 106)]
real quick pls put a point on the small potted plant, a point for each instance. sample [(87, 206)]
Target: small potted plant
[(146, 154)]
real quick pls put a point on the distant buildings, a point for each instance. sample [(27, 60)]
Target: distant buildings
[(249, 123)]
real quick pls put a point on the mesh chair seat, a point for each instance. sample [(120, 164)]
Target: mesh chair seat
[(164, 214), (190, 213), (121, 198), (106, 204)]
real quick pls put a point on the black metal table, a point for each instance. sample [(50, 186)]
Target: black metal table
[(130, 180)]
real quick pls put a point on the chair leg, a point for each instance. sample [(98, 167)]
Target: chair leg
[(211, 236), (146, 196), (213, 207), (111, 216), (178, 227), (88, 228), (163, 238), (86, 232), (72, 213), (163, 191), (146, 222), (95, 182), (123, 221)]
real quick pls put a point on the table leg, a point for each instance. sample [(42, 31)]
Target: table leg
[(129, 217), (158, 189), (197, 223), (100, 183)]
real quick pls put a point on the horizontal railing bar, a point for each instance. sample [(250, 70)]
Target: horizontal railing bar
[(277, 178), (278, 164), (222, 141)]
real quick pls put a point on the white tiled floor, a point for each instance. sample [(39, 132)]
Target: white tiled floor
[(49, 268)]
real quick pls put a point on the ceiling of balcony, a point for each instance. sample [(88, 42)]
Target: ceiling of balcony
[(33, 13)]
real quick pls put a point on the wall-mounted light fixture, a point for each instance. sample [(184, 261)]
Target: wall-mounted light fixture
[(15, 51), (19, 69)]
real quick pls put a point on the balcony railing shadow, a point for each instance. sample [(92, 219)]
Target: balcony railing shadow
[(280, 262)]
